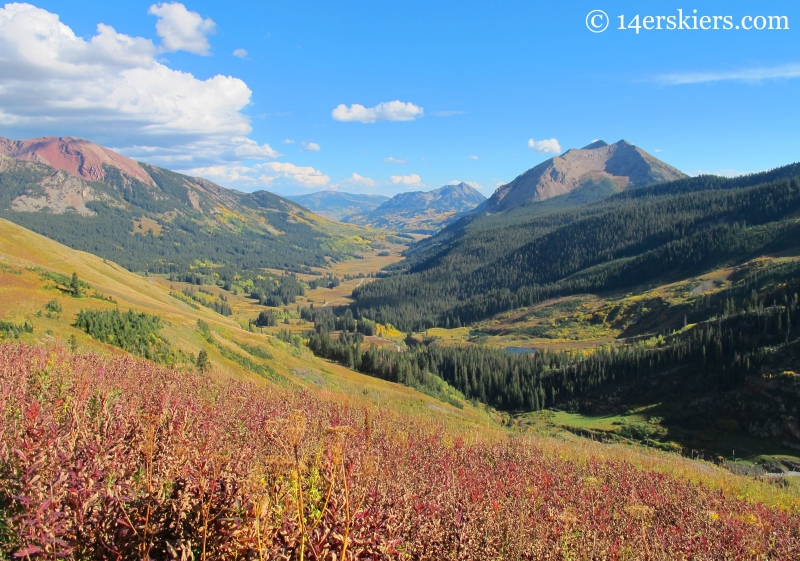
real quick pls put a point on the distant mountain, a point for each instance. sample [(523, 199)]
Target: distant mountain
[(336, 205), (422, 211), (585, 175), (148, 218)]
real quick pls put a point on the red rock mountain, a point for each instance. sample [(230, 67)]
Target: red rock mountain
[(76, 156), (599, 169)]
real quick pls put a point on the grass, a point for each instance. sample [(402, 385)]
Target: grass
[(25, 293)]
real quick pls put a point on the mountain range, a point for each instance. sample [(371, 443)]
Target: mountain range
[(576, 177), (422, 211), (337, 205), (148, 218)]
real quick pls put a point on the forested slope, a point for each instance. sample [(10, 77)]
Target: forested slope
[(487, 264), (170, 221)]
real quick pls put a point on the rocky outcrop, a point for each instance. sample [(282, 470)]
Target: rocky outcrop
[(76, 156)]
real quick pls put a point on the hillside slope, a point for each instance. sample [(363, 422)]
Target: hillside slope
[(148, 218), (31, 269), (483, 265), (92, 437), (422, 211)]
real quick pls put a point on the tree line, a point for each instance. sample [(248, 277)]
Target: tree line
[(732, 332)]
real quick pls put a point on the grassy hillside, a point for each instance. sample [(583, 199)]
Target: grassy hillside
[(35, 271)]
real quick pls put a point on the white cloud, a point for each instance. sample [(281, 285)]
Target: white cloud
[(412, 179), (262, 175), (288, 141), (359, 180), (250, 149), (391, 160), (310, 146), (180, 29), (300, 175), (241, 53), (472, 157), (754, 74), (228, 174), (549, 146), (355, 184), (111, 89), (385, 111)]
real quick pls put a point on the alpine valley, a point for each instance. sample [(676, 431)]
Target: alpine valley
[(600, 360)]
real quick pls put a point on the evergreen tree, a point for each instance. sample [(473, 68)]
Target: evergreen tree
[(203, 363), (75, 286)]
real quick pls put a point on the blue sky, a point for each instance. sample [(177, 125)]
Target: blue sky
[(478, 82)]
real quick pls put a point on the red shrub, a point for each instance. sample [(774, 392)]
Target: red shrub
[(115, 458)]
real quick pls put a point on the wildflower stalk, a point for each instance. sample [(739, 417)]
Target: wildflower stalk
[(347, 512)]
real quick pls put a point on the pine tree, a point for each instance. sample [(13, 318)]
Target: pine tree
[(75, 286), (203, 363)]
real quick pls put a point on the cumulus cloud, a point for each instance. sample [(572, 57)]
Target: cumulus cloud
[(549, 146), (262, 175), (310, 146), (288, 141), (182, 30), (472, 157), (356, 179), (385, 111), (241, 53), (391, 160), (111, 89), (300, 175), (412, 179), (247, 148)]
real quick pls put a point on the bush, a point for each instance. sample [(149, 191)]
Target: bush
[(146, 462)]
